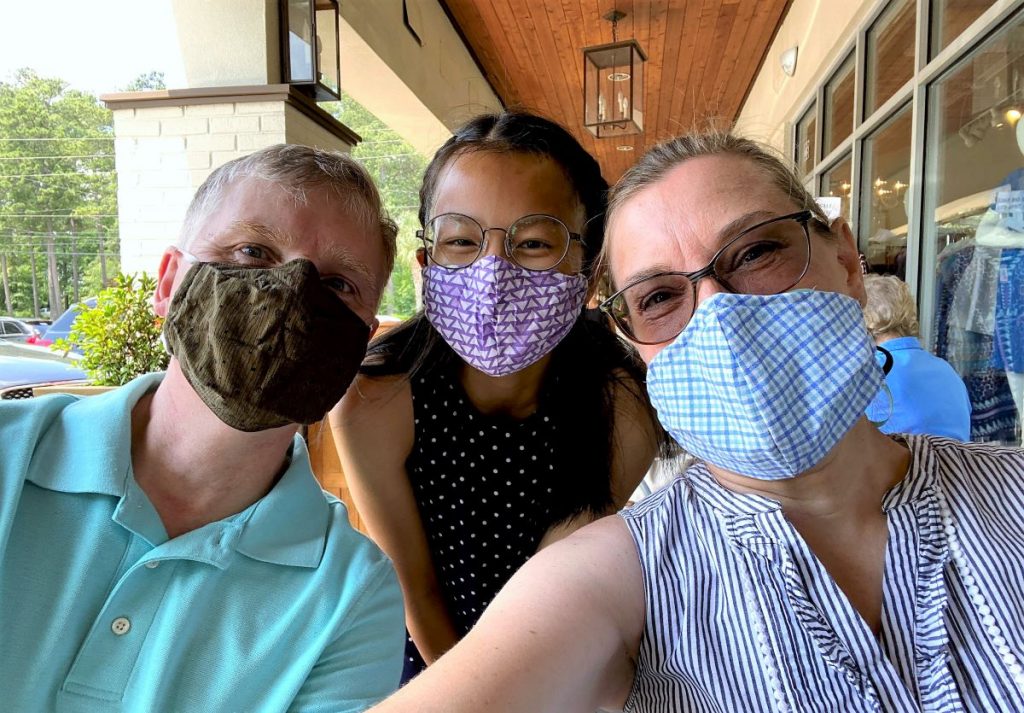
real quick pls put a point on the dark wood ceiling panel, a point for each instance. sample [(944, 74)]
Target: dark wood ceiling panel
[(703, 56)]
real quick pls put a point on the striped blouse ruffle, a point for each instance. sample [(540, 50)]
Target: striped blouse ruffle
[(742, 617)]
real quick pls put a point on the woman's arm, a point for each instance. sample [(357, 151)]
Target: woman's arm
[(562, 636), (374, 431)]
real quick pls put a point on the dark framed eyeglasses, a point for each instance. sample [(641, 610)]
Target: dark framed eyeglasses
[(766, 259), (535, 242)]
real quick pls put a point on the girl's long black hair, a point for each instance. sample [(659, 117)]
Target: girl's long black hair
[(589, 366)]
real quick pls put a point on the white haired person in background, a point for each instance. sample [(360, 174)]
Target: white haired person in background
[(927, 394)]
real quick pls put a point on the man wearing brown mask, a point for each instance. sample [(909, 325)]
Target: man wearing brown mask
[(165, 546)]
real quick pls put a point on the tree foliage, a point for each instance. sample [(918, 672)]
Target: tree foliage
[(120, 337), (57, 191), (397, 169), (146, 82)]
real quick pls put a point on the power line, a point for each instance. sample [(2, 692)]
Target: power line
[(65, 173), (40, 158), (60, 138), (30, 216)]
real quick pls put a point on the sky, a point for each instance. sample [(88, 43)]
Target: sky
[(95, 45)]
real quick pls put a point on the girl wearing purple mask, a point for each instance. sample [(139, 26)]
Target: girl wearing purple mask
[(499, 419)]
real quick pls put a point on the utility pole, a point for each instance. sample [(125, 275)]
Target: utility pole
[(35, 287), (103, 258), (52, 276), (74, 262), (7, 286)]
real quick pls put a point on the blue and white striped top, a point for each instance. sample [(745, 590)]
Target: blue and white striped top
[(741, 616)]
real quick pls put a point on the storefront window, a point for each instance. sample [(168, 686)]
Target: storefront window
[(837, 182), (890, 53), (838, 119), (973, 270), (884, 197), (950, 18), (806, 141)]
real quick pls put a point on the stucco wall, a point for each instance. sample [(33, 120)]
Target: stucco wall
[(824, 30), (228, 42), (421, 91)]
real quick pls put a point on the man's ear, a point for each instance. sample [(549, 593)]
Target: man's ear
[(849, 260), (421, 256), (171, 262), (374, 325)]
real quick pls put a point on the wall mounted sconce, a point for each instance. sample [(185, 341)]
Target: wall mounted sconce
[(310, 55), (787, 60)]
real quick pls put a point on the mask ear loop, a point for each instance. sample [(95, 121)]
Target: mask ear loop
[(886, 368)]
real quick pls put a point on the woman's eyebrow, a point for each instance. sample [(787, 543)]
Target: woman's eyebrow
[(644, 274), (737, 226)]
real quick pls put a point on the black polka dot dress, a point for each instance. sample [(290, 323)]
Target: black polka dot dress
[(486, 487)]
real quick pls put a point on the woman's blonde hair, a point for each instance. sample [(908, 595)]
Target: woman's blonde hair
[(656, 163), (890, 308)]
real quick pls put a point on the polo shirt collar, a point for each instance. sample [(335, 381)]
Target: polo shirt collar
[(901, 344), (289, 524), (88, 450)]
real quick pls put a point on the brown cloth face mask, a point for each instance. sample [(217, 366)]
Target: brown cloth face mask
[(264, 347)]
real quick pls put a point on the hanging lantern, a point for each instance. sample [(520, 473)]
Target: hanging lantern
[(310, 55), (613, 86)]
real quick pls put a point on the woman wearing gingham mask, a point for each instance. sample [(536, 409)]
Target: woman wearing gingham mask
[(808, 562)]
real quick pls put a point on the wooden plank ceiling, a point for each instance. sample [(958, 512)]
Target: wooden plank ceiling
[(703, 55)]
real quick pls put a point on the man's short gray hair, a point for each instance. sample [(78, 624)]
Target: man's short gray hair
[(295, 169)]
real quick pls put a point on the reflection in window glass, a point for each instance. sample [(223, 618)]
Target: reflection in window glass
[(300, 42), (327, 45), (973, 277), (838, 119), (884, 196), (837, 182), (890, 53), (806, 130), (950, 18)]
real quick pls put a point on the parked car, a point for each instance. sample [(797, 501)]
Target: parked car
[(61, 327), (16, 330), (24, 367)]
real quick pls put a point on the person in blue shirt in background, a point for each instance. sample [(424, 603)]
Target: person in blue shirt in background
[(927, 394), (165, 546)]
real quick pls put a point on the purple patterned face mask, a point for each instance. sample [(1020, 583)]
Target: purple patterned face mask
[(499, 317)]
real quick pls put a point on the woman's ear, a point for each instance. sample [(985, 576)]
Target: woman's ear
[(421, 256), (849, 259)]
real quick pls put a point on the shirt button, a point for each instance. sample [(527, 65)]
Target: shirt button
[(120, 626), (152, 564)]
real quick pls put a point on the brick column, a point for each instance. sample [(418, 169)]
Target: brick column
[(167, 143)]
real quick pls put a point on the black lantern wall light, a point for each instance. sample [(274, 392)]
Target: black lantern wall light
[(310, 55), (613, 85)]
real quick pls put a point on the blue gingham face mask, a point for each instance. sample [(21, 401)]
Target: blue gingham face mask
[(766, 385)]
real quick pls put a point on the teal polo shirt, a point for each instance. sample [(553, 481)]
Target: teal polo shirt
[(282, 606)]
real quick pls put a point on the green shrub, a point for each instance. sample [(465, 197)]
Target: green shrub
[(120, 336)]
